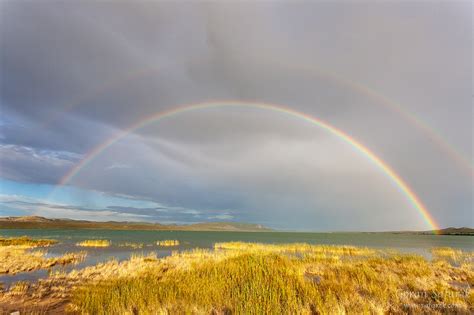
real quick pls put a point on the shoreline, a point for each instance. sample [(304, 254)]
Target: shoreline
[(35, 222)]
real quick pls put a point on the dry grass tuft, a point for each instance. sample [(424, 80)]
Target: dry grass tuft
[(168, 243), (453, 256), (94, 243), (15, 259), (19, 288), (25, 242)]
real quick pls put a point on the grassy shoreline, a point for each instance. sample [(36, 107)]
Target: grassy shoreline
[(257, 278), (17, 255)]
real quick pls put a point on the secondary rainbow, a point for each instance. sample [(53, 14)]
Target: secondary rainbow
[(461, 160), (383, 166)]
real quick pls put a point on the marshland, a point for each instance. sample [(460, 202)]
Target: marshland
[(224, 272)]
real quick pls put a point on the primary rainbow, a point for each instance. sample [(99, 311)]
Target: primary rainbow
[(387, 170)]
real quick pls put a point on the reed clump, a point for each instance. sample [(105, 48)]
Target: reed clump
[(15, 259), (25, 242), (453, 256), (94, 243), (168, 243), (19, 288), (297, 248), (292, 278)]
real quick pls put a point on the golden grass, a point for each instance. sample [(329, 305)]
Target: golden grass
[(15, 259), (52, 294), (168, 243), (25, 241), (294, 278), (301, 249), (19, 288), (453, 256), (94, 243)]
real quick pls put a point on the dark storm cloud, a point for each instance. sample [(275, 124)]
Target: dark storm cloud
[(71, 134), (27, 164), (72, 74)]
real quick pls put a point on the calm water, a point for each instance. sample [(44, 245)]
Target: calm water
[(419, 244)]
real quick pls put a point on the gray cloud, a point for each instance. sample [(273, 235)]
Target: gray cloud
[(27, 164)]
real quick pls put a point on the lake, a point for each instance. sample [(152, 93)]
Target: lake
[(407, 243)]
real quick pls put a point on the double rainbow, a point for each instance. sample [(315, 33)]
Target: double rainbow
[(362, 149), (460, 160)]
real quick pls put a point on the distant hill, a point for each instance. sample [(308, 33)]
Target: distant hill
[(36, 222), (446, 231), (228, 226), (453, 231)]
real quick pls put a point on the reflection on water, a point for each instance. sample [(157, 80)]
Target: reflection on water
[(417, 244)]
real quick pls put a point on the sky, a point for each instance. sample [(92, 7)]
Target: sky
[(394, 76)]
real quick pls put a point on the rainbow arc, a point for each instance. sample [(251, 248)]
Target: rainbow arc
[(358, 146)]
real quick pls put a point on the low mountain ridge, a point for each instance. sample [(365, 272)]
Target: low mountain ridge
[(455, 231), (37, 222)]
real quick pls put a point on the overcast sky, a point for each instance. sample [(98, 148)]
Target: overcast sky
[(396, 76)]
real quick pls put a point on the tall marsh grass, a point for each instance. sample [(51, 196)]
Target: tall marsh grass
[(25, 241), (15, 259), (246, 278), (453, 256)]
